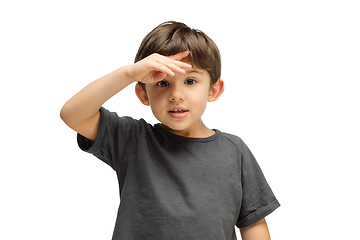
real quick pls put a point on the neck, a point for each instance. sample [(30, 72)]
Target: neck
[(198, 130)]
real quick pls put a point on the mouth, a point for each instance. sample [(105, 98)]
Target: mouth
[(178, 113)]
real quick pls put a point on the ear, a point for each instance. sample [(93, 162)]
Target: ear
[(142, 95), (216, 90)]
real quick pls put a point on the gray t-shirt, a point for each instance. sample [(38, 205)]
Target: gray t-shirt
[(173, 187)]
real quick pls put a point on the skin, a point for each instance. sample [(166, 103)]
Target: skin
[(257, 231), (170, 84), (188, 92)]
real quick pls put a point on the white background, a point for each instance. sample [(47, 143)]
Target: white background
[(292, 75)]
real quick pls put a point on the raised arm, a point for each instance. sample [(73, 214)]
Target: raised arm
[(81, 112)]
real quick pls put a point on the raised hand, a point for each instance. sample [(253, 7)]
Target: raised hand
[(156, 67)]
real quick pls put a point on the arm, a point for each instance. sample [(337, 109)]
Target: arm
[(257, 231), (81, 112)]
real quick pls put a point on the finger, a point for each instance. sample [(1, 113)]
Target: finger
[(174, 64), (159, 76), (170, 66), (177, 66), (183, 65), (179, 55), (164, 69), (154, 76)]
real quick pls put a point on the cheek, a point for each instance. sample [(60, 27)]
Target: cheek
[(157, 102), (200, 101), (154, 97)]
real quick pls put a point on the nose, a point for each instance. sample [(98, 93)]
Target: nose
[(176, 95)]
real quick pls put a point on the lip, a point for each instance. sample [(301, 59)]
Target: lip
[(178, 112)]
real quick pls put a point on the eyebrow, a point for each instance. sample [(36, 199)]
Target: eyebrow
[(194, 71)]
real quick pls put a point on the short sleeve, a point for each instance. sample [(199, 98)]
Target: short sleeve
[(258, 199), (116, 139)]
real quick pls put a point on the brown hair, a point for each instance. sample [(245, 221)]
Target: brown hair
[(171, 37)]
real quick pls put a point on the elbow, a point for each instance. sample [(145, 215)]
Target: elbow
[(64, 114)]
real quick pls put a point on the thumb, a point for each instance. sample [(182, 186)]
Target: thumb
[(154, 76), (160, 76)]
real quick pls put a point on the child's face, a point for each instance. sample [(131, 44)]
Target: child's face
[(178, 102)]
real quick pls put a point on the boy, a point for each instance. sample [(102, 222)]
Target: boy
[(177, 179)]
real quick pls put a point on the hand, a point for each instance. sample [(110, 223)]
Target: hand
[(156, 67)]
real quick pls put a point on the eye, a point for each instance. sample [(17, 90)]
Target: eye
[(162, 83), (190, 81)]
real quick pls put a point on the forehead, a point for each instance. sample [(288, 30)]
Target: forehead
[(195, 70)]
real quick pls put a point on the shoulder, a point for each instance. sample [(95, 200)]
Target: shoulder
[(113, 119), (122, 128), (233, 139), (237, 143)]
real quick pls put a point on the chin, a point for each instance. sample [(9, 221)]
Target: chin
[(176, 126)]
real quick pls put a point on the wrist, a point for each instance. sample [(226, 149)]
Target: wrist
[(128, 74)]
